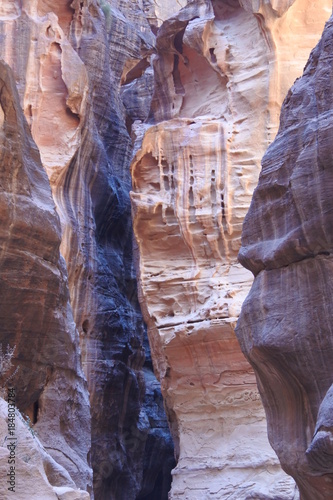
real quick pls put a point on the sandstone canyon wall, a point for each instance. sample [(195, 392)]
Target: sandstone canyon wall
[(35, 313), (69, 60), (285, 328), (37, 474), (204, 96), (221, 72)]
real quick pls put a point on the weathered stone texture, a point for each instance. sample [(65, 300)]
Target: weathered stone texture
[(69, 59), (221, 72), (26, 469), (84, 75), (285, 326), (158, 11), (35, 313)]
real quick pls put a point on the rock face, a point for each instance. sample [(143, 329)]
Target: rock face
[(36, 474), (221, 72), (158, 11), (285, 326), (69, 60), (35, 312), (85, 81)]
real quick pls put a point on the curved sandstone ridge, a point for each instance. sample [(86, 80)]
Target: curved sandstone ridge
[(285, 327), (35, 313), (221, 72), (69, 60)]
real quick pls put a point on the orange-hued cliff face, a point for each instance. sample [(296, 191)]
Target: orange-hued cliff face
[(222, 70)]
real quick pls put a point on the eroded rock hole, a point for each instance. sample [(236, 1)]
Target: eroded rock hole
[(28, 114), (178, 41), (179, 89), (32, 413), (129, 123), (35, 412), (85, 326), (191, 197), (166, 183), (166, 180), (165, 167), (212, 55), (222, 206), (213, 194), (74, 117)]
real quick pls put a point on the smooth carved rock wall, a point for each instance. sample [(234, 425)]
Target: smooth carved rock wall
[(221, 72), (35, 313), (285, 326), (70, 59)]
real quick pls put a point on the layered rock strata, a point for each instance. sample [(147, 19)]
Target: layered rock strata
[(35, 314), (69, 60), (285, 326), (221, 72)]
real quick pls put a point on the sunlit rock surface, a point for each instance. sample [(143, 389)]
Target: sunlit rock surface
[(34, 474), (69, 60), (285, 328), (221, 72), (35, 314)]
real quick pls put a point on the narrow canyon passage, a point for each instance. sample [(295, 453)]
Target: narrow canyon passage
[(131, 140)]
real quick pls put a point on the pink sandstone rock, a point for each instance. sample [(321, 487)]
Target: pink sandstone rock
[(35, 314), (69, 59), (221, 72)]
